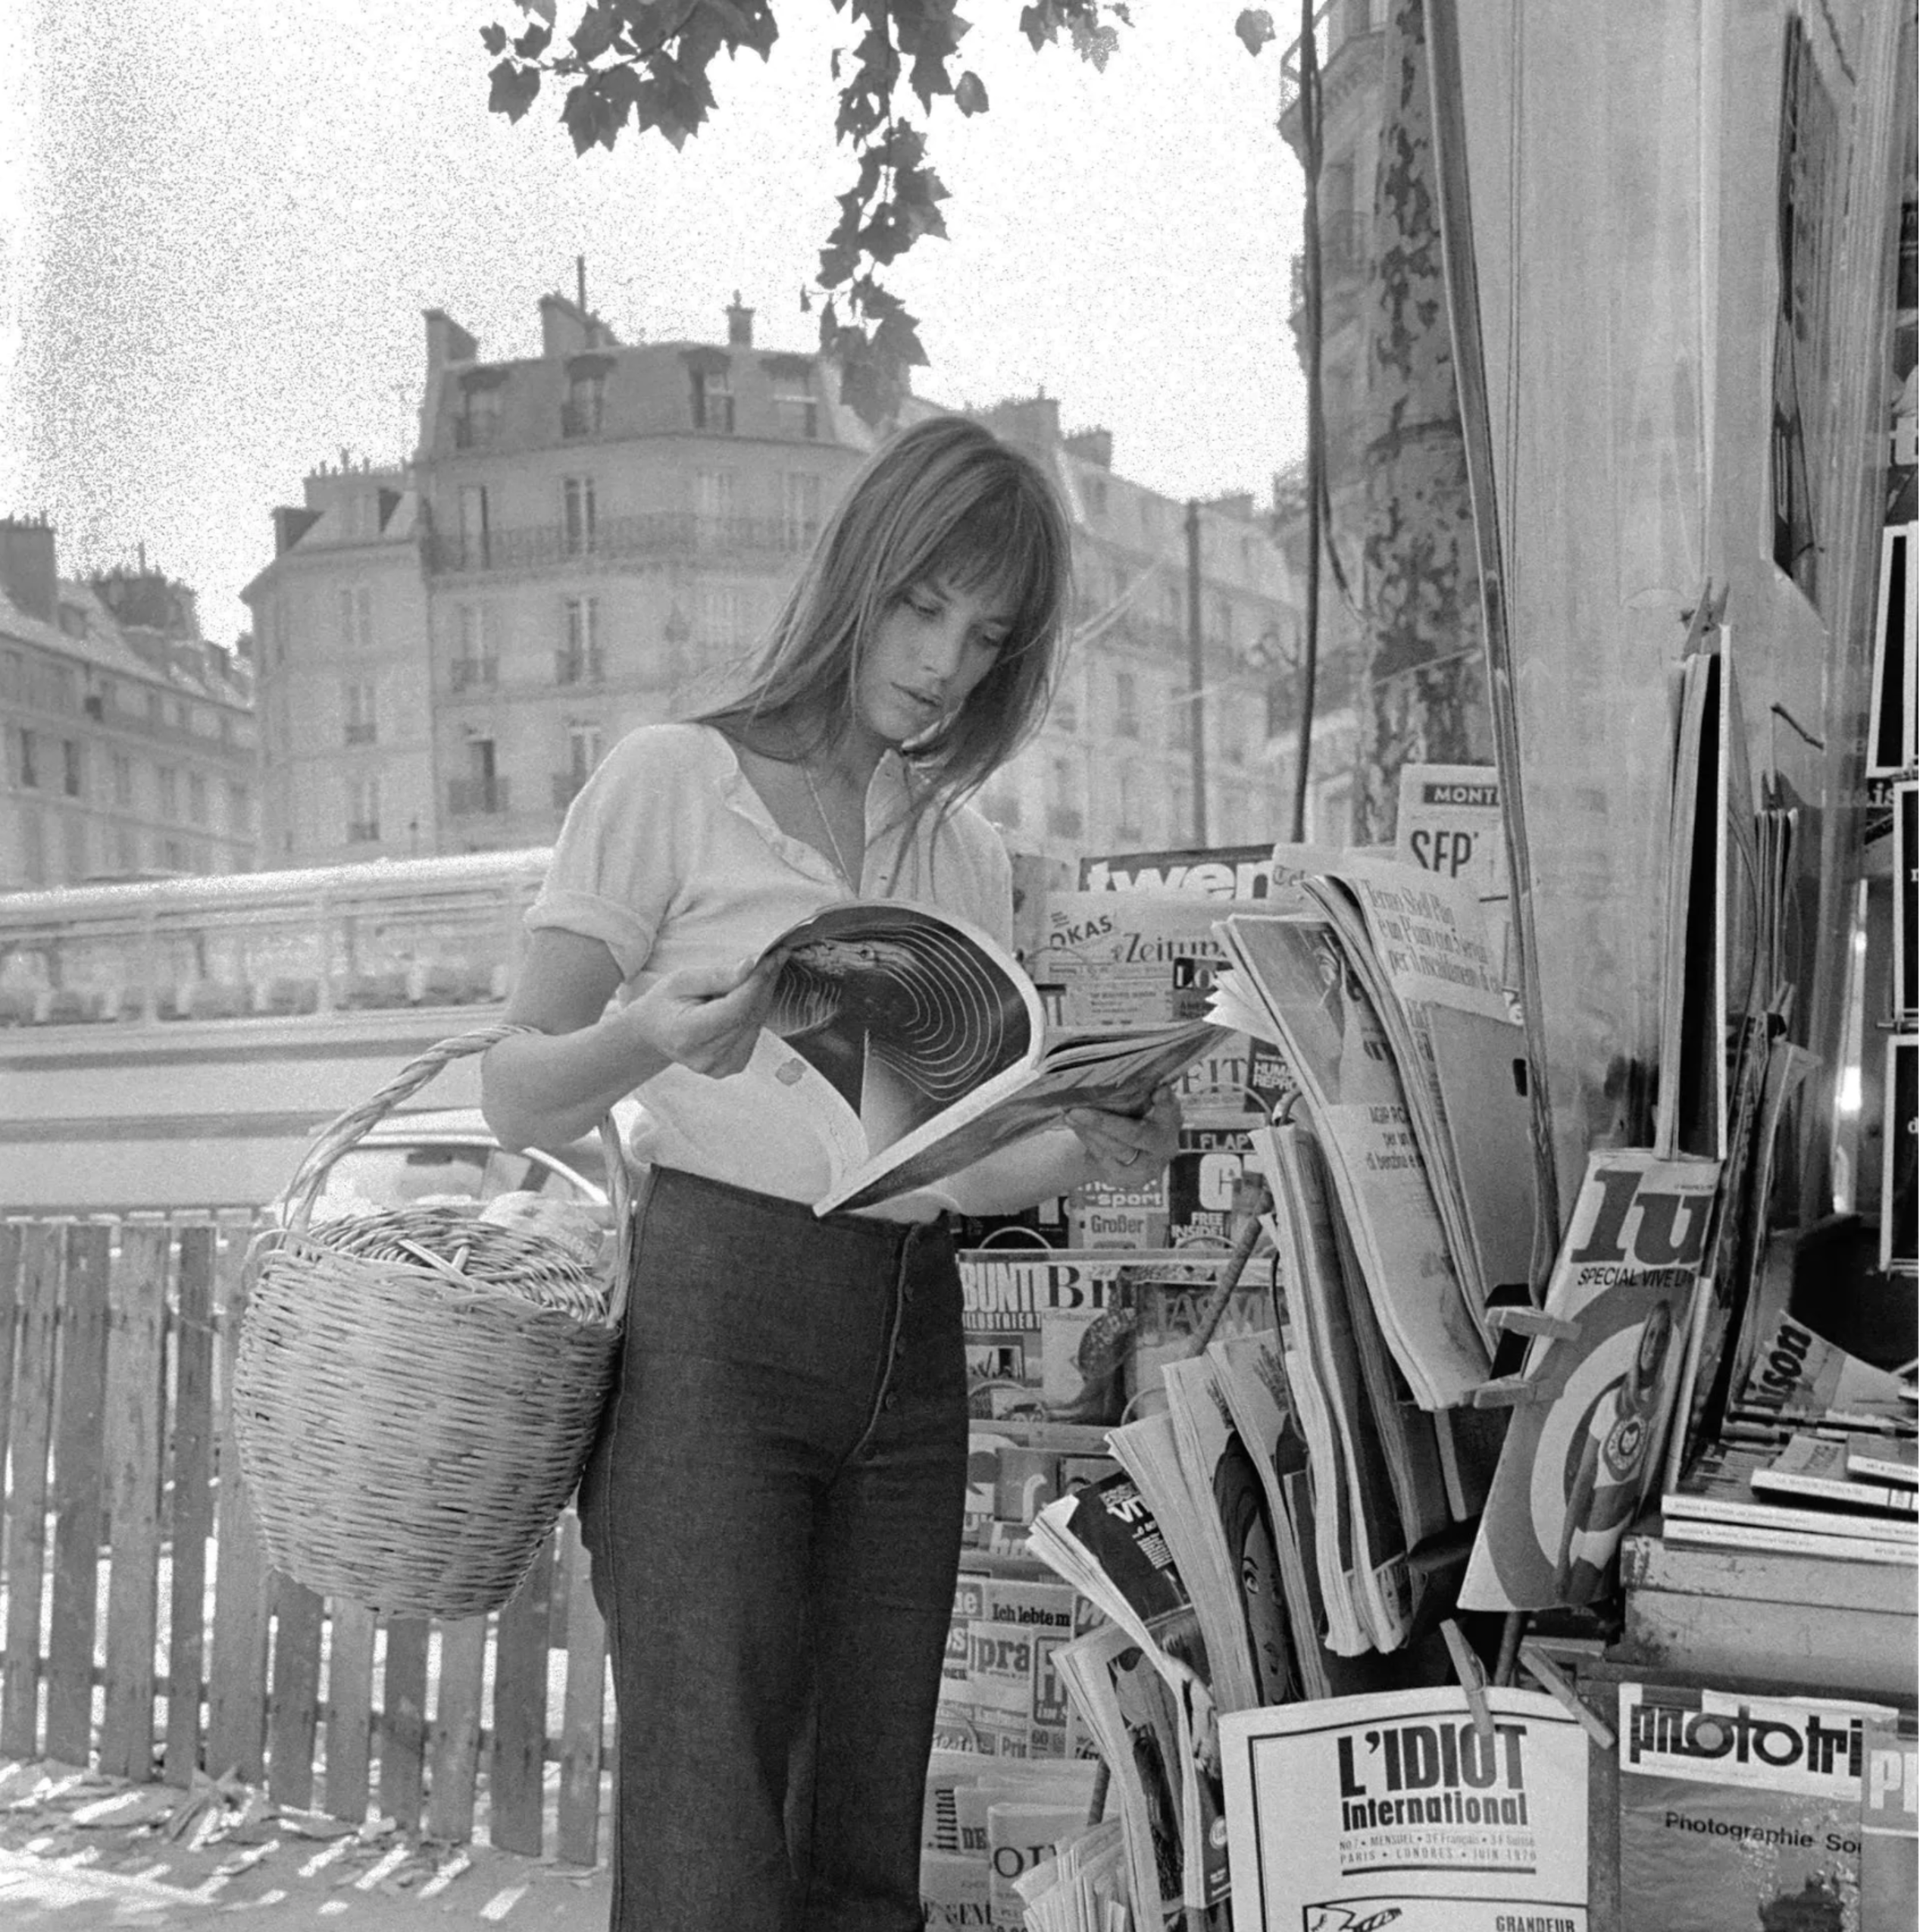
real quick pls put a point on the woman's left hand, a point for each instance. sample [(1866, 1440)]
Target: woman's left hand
[(1127, 1150)]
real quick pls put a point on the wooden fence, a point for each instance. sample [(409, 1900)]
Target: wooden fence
[(144, 1633)]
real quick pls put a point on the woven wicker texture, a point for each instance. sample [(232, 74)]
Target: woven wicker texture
[(413, 1398)]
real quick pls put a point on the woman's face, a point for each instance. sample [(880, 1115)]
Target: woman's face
[(935, 645)]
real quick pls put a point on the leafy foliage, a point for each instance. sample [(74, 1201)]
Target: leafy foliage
[(647, 62)]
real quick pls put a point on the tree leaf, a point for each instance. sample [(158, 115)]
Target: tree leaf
[(511, 89), (495, 39), (541, 10), (1254, 28), (532, 45), (970, 96)]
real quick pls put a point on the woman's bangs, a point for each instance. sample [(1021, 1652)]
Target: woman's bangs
[(1001, 551)]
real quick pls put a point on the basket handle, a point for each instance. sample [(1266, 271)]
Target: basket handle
[(296, 1204)]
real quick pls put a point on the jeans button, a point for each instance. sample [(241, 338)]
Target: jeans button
[(891, 1400)]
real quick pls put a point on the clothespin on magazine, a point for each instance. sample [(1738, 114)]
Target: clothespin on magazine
[(1517, 1391), (1535, 1657), (1475, 1680), (1520, 1321)]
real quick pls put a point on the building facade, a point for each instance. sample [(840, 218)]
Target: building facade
[(130, 740), (587, 536), (1169, 726), (584, 535)]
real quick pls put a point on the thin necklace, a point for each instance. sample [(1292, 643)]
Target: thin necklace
[(849, 879)]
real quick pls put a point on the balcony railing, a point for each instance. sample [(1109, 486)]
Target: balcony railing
[(1338, 22), (464, 673), (477, 797), (359, 731), (665, 533)]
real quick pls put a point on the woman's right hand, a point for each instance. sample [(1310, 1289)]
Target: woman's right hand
[(706, 1017)]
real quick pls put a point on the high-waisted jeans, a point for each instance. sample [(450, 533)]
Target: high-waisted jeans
[(773, 1509)]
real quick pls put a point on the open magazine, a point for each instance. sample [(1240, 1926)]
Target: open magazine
[(914, 1045)]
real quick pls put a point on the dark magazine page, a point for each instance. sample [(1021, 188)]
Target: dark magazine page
[(901, 1010), (1127, 1085)]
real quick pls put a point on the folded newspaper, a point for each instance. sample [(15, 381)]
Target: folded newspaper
[(911, 1046)]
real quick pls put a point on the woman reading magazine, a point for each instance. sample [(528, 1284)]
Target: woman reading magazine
[(773, 1508)]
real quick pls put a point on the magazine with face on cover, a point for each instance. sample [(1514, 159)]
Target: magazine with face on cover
[(911, 1044)]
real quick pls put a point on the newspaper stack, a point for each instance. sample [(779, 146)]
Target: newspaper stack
[(1377, 986)]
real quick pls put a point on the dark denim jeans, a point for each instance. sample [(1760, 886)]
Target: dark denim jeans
[(773, 1508)]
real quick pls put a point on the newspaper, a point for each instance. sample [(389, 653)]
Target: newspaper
[(1393, 1809), (1354, 1484), (908, 1045), (1889, 1864), (1293, 972), (1418, 946), (1738, 1809), (1585, 1446)]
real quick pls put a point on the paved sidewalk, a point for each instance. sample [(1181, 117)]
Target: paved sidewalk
[(79, 1851)]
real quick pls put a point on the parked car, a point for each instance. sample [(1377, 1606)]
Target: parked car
[(448, 1154)]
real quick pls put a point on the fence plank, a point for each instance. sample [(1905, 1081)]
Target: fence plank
[(26, 1545), (350, 1708), (191, 1516), (236, 1686), (10, 1293), (295, 1709), (136, 1311), (520, 1711), (78, 1456), (403, 1725), (457, 1731), (577, 1827)]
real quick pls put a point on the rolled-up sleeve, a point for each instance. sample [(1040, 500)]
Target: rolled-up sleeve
[(613, 872)]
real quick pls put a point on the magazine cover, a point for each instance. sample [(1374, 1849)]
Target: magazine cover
[(1889, 1876), (1392, 1809), (1739, 1810), (1576, 1464), (1797, 1376)]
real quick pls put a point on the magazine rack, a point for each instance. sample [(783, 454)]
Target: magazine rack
[(415, 1389)]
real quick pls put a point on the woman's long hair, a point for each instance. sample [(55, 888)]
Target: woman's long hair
[(944, 501)]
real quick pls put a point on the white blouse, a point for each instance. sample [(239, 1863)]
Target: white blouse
[(669, 857)]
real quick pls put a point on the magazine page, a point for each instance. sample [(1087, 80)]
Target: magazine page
[(1119, 1075), (901, 1009), (1738, 1809), (1797, 1376), (1254, 1381), (1145, 1448), (1449, 821), (1392, 1809), (1234, 1524), (1579, 1460), (1132, 1711)]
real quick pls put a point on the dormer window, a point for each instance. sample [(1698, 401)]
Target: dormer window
[(477, 414), (587, 386), (791, 378), (713, 400)]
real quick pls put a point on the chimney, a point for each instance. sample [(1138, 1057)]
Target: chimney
[(1033, 423), (1092, 446), (566, 329), (27, 566), (741, 324), (447, 341)]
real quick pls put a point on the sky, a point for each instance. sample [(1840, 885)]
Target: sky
[(220, 220)]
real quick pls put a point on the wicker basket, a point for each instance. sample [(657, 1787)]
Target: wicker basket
[(409, 1426)]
